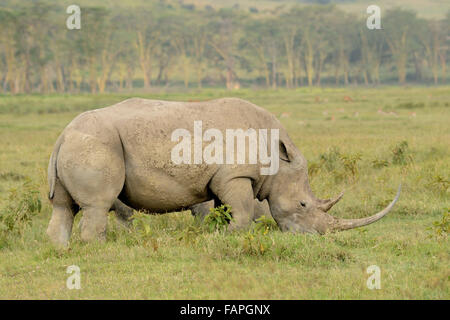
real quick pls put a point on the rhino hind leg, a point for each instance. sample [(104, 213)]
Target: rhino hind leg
[(93, 223), (201, 210), (123, 213), (94, 180), (64, 211)]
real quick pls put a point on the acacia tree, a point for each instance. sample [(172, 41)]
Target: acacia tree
[(161, 41), (126, 56), (430, 40), (8, 25), (224, 40), (258, 41), (342, 37), (288, 32), (372, 50), (200, 34), (182, 41), (399, 25), (444, 48), (314, 38), (147, 37)]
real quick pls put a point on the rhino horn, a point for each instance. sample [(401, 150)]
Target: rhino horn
[(345, 224), (327, 204)]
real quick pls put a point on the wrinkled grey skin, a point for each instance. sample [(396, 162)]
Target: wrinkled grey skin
[(124, 152)]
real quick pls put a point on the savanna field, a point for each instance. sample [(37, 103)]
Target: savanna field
[(365, 141)]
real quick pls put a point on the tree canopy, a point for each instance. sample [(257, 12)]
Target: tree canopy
[(168, 43)]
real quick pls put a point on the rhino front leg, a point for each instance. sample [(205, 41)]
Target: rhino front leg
[(262, 209), (237, 193)]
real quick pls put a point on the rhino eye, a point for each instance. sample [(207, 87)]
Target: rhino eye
[(303, 203)]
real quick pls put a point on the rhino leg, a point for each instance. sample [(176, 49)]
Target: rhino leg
[(123, 212), (94, 180), (64, 211), (237, 193), (201, 210), (93, 223), (262, 209)]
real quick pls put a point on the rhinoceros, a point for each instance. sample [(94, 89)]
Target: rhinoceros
[(122, 155)]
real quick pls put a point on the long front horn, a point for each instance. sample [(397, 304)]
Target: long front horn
[(345, 224), (326, 205)]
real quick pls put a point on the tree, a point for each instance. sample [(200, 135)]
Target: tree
[(258, 41), (225, 35), (399, 25)]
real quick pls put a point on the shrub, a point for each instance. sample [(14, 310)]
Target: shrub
[(264, 225), (256, 243), (350, 163), (190, 234), (379, 163), (313, 169), (411, 105), (22, 205), (219, 218), (441, 227), (330, 159), (439, 183), (401, 154), (141, 231)]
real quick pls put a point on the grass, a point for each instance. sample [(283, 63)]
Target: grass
[(367, 146)]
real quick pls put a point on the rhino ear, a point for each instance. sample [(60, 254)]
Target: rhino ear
[(284, 153)]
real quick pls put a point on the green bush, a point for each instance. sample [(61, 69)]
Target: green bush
[(401, 154), (380, 163), (330, 159), (22, 205), (256, 243), (219, 218), (441, 227), (411, 105), (350, 163), (264, 225), (17, 214)]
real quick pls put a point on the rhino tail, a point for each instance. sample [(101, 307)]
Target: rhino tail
[(52, 174)]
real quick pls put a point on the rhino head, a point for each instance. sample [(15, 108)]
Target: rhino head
[(295, 208)]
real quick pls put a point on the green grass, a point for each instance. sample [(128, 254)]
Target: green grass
[(358, 146)]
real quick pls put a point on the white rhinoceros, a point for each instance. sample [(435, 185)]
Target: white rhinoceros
[(125, 152)]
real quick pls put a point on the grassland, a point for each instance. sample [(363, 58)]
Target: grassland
[(366, 141)]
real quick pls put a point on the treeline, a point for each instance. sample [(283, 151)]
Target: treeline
[(171, 44)]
